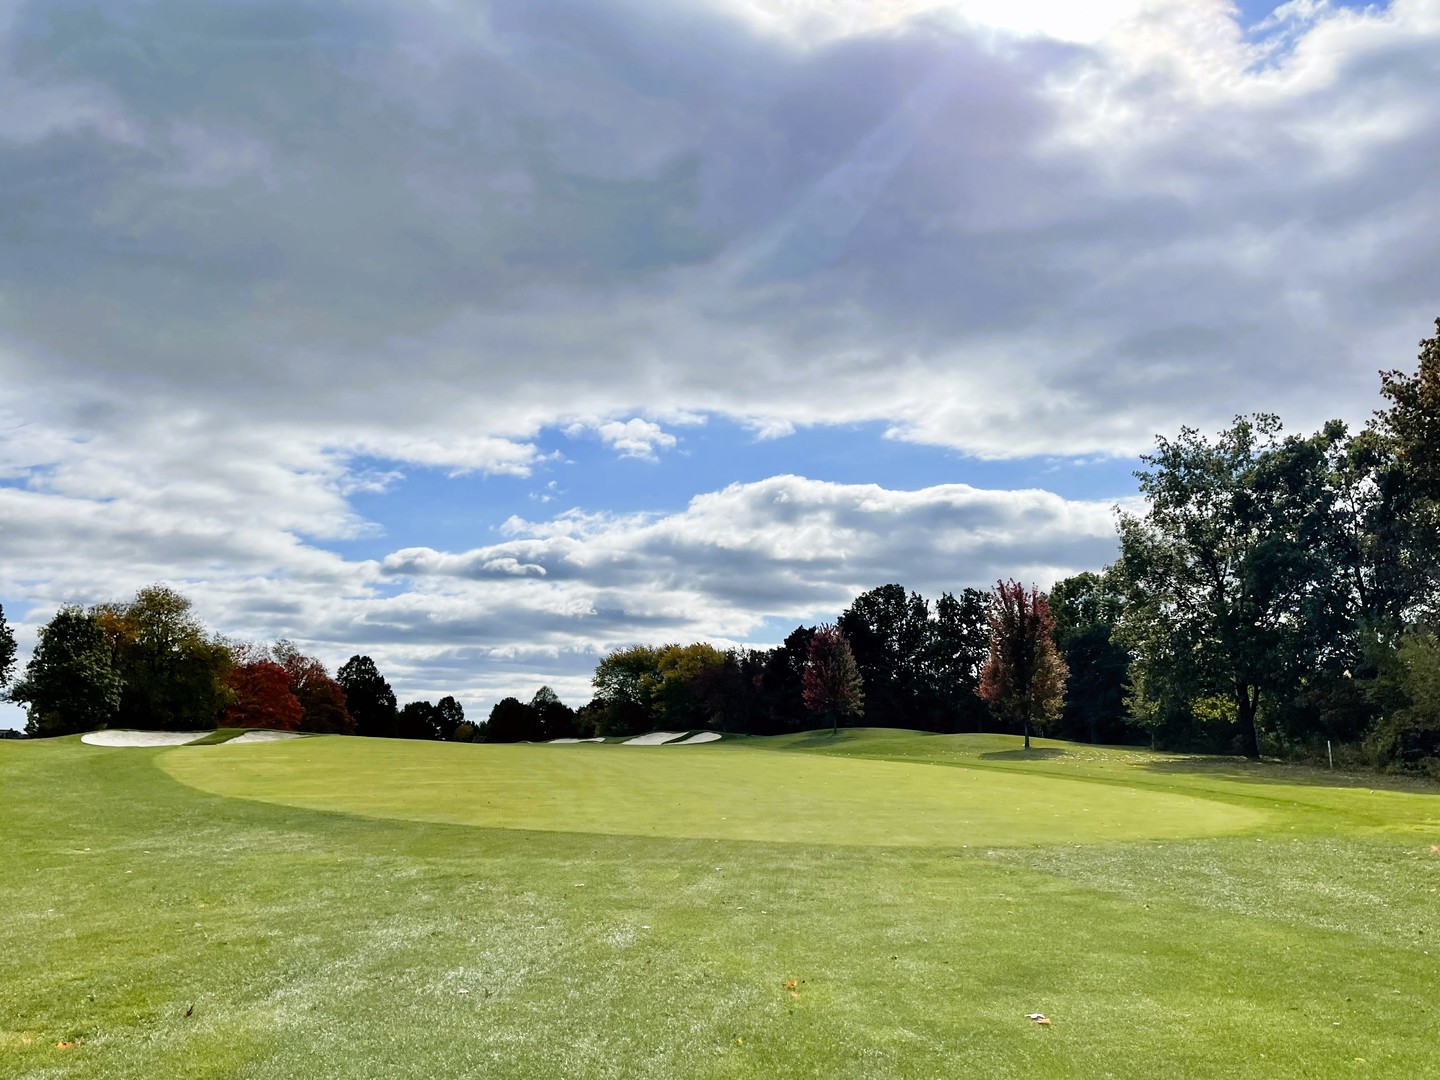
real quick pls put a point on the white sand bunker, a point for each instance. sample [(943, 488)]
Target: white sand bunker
[(655, 738), (702, 736), (263, 736), (123, 737), (598, 738)]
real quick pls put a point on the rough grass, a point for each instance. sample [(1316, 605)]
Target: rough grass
[(317, 941)]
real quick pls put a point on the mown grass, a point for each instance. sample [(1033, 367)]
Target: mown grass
[(331, 940)]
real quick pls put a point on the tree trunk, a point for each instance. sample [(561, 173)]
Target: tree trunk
[(1247, 700), (1027, 733)]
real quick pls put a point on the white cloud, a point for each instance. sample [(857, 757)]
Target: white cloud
[(241, 261)]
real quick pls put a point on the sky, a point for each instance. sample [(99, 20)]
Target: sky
[(486, 338)]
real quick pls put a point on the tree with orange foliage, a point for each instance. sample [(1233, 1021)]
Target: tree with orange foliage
[(1024, 678)]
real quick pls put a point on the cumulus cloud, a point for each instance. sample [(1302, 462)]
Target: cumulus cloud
[(260, 259)]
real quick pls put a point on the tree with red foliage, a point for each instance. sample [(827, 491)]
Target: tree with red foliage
[(322, 699), (260, 693), (1024, 677), (832, 681)]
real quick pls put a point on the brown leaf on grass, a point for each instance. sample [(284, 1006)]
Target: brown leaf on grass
[(64, 1045), (790, 984)]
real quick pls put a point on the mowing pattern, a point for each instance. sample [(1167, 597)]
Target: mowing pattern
[(732, 793), (153, 929)]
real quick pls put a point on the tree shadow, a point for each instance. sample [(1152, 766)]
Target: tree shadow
[(1037, 753), (1282, 772)]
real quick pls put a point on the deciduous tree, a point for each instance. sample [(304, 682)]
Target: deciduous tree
[(1231, 570), (833, 685), (1024, 677), (260, 694), (70, 683), (368, 698), (321, 698), (7, 650)]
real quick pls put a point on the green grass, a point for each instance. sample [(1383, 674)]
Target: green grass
[(614, 911)]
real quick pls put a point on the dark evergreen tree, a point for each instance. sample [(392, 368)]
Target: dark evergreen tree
[(368, 698)]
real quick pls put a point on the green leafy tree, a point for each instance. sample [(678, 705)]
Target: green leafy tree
[(7, 650), (1230, 570), (833, 684), (1412, 418), (452, 716), (625, 680), (420, 720), (368, 698), (1086, 609), (889, 632), (174, 674), (780, 703), (70, 684), (959, 642), (1407, 688), (511, 720), (1024, 677)]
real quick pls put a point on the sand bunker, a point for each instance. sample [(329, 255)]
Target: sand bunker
[(263, 736), (655, 738), (123, 737), (703, 736), (598, 738)]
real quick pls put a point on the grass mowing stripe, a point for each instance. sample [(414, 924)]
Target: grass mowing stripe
[(333, 945)]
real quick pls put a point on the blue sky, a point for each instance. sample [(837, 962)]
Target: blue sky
[(485, 340)]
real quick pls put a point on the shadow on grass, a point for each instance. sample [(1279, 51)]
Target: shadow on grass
[(1280, 772), (1035, 753)]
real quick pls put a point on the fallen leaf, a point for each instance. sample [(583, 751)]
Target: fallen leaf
[(64, 1045), (190, 1011), (790, 984)]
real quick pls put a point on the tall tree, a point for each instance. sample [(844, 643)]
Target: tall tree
[(70, 683), (1024, 677), (833, 686), (452, 715), (1230, 570), (174, 674), (321, 698), (1086, 609), (511, 720), (958, 645), (625, 680), (420, 720), (889, 632), (1413, 416), (368, 698), (781, 689), (260, 694), (7, 650)]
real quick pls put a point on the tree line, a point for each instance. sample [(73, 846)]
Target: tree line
[(150, 664)]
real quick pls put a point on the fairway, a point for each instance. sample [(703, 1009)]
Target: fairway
[(878, 905), (732, 793)]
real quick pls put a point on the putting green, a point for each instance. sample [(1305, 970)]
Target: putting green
[(734, 793)]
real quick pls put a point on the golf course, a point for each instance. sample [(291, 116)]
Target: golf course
[(870, 904)]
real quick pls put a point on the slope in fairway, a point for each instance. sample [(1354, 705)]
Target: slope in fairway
[(736, 793)]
